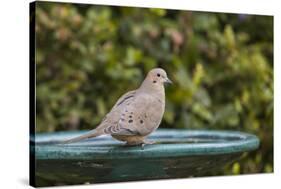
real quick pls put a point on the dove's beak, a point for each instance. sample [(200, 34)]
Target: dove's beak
[(168, 81)]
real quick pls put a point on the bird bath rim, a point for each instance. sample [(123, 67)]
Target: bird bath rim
[(172, 143)]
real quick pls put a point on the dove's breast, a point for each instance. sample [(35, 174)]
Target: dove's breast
[(151, 113)]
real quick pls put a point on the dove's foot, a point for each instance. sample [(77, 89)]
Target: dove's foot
[(146, 142), (141, 143)]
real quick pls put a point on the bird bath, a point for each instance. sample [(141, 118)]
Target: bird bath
[(176, 154)]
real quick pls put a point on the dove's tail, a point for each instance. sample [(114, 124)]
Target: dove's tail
[(90, 134)]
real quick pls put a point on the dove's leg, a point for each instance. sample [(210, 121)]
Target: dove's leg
[(146, 142), (140, 142)]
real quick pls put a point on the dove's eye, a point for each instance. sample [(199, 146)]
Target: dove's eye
[(158, 75)]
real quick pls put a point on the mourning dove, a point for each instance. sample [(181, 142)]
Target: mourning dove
[(136, 114)]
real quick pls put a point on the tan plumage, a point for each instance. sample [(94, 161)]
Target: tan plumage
[(136, 114)]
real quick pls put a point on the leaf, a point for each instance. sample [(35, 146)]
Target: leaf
[(229, 37)]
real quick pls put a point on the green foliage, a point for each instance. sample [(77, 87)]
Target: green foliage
[(221, 66)]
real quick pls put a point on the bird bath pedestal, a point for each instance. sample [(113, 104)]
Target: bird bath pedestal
[(176, 154)]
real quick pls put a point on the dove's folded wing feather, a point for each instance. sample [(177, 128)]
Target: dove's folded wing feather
[(132, 117), (110, 123)]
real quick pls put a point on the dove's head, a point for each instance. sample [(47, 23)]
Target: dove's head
[(156, 78)]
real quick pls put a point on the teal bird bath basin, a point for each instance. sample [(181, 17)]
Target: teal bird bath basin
[(176, 154)]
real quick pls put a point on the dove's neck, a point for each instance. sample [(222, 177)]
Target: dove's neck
[(155, 89)]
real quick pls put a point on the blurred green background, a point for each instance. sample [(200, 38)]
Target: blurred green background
[(221, 65)]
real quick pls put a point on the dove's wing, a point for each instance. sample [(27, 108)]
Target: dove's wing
[(132, 116), (114, 116)]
